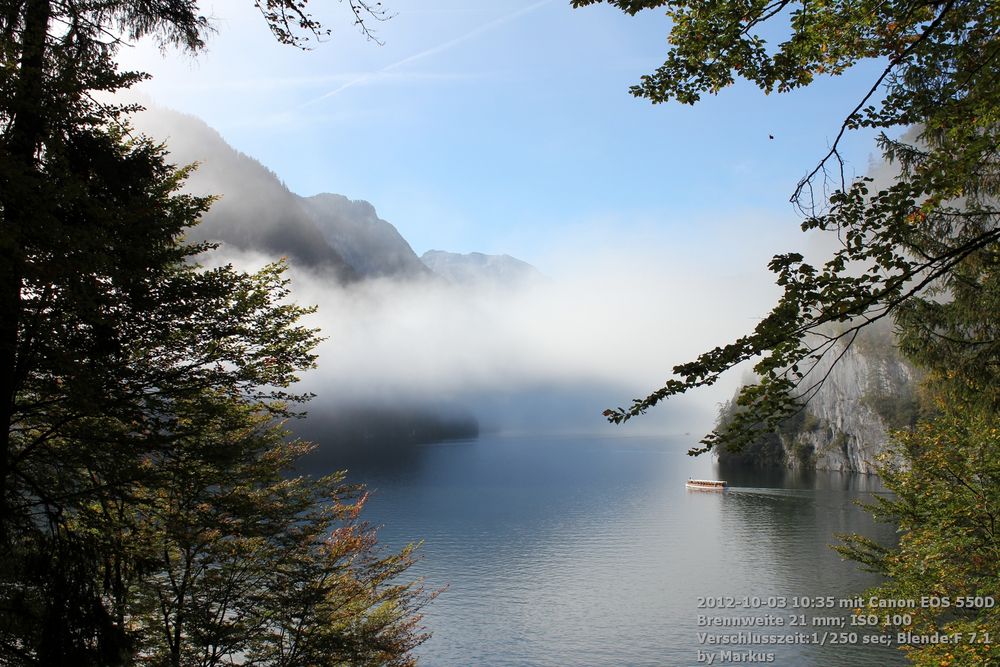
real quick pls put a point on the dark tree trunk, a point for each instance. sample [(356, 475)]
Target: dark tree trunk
[(20, 192)]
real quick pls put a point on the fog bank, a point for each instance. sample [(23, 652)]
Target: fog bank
[(541, 357)]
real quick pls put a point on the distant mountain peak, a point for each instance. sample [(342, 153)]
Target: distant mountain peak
[(476, 268)]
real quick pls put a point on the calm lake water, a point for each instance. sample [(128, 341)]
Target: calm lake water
[(590, 551)]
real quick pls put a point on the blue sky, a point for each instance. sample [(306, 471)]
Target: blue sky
[(505, 126)]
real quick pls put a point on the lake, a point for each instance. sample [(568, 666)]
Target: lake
[(569, 551)]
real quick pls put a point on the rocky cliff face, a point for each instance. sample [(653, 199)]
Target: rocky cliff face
[(867, 393), (870, 390)]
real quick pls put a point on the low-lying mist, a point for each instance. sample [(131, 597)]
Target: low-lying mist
[(544, 356), (410, 356)]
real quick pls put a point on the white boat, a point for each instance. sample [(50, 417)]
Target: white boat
[(707, 484)]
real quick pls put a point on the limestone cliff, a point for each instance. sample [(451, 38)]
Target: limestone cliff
[(870, 390)]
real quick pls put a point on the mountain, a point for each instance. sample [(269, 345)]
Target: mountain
[(371, 246), (330, 233), (475, 268), (342, 241)]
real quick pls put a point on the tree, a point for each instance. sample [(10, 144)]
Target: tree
[(118, 328), (148, 420), (66, 194), (937, 217), (945, 477), (125, 366), (923, 250), (257, 566)]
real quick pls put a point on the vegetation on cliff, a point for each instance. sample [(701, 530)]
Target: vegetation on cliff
[(868, 393)]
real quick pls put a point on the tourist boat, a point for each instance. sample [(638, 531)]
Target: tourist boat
[(707, 484)]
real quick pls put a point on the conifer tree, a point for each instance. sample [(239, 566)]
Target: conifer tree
[(147, 510)]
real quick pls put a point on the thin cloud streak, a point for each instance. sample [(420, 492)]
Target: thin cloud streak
[(428, 52), (269, 84)]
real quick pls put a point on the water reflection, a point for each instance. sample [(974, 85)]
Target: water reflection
[(565, 551)]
